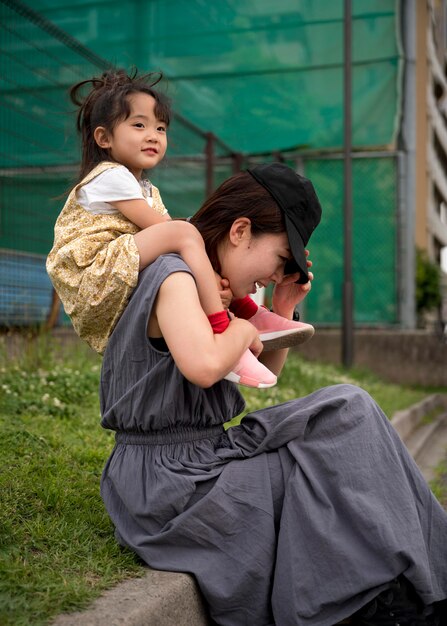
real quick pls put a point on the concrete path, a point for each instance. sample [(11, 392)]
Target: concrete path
[(423, 428), (171, 599)]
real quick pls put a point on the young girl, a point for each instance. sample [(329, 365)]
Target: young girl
[(114, 222)]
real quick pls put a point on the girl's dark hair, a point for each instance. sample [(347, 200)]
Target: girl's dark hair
[(106, 104), (239, 196)]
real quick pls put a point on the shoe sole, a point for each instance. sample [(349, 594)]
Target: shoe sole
[(234, 378), (288, 340)]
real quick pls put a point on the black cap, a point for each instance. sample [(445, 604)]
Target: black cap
[(296, 197)]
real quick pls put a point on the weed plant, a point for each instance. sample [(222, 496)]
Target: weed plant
[(57, 549)]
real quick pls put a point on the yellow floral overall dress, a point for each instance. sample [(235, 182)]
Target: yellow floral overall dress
[(94, 264)]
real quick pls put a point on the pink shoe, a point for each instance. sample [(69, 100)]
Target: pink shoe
[(278, 332), (251, 373)]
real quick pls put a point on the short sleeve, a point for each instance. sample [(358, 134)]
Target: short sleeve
[(113, 185)]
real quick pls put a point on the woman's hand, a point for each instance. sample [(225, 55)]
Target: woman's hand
[(288, 293), (256, 346)]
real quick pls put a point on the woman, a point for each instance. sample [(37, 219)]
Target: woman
[(309, 512)]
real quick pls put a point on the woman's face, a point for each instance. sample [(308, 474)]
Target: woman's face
[(249, 262)]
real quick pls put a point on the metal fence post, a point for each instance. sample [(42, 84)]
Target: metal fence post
[(348, 296)]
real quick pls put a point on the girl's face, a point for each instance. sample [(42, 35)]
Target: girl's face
[(249, 262), (138, 142)]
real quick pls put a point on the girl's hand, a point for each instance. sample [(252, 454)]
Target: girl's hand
[(288, 293), (225, 293)]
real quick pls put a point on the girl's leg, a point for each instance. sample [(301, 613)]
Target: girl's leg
[(183, 239), (275, 332)]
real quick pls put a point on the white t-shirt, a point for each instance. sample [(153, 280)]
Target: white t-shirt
[(112, 185)]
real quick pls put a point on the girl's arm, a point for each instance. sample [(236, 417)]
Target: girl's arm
[(140, 213), (203, 357)]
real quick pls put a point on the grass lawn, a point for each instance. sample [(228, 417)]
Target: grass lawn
[(57, 550), (439, 484)]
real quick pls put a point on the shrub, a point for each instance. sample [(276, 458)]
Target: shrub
[(428, 285)]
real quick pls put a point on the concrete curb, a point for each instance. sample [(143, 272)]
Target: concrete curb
[(424, 431), (156, 599), (173, 599), (406, 421), (423, 428)]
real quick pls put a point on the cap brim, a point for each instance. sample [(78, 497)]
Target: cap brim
[(299, 261)]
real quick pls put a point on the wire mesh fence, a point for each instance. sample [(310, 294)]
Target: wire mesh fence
[(39, 157)]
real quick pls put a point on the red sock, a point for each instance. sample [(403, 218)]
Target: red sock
[(244, 307), (219, 321)]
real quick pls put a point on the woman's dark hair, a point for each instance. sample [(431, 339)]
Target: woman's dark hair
[(106, 104), (239, 196)]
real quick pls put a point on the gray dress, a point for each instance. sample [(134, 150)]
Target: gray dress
[(298, 516)]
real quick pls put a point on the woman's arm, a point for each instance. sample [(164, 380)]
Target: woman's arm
[(286, 295), (203, 357)]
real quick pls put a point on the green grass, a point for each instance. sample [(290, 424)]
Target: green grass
[(57, 550), (301, 377), (439, 483)]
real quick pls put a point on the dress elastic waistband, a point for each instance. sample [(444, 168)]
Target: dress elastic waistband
[(174, 435)]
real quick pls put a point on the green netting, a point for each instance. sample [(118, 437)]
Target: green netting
[(25, 225), (262, 77), (374, 241), (183, 185), (29, 205)]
